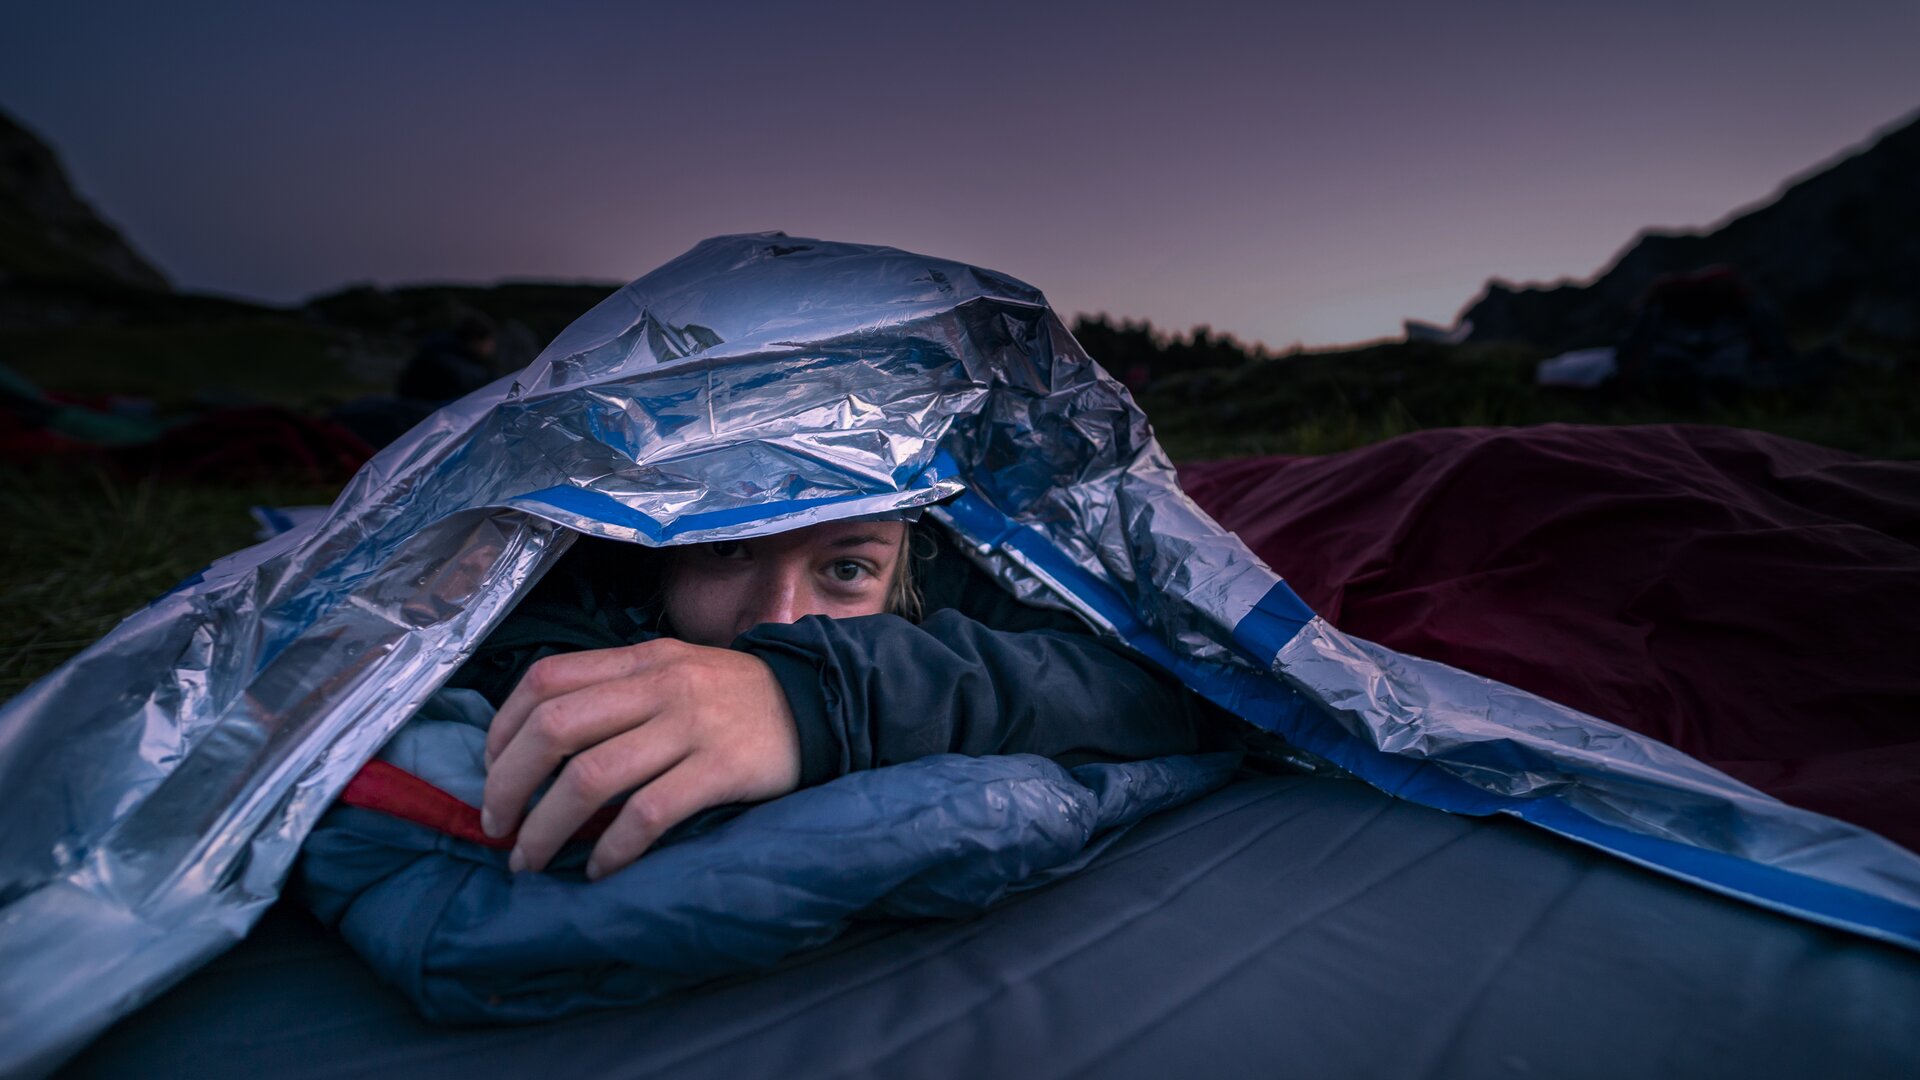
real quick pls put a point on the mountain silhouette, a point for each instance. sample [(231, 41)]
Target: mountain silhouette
[(48, 232), (1835, 253)]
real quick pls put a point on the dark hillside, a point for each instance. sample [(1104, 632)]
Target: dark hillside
[(1836, 254), (48, 232)]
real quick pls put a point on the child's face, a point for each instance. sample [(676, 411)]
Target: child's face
[(717, 591)]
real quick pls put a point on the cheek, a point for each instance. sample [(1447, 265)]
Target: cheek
[(702, 611), (871, 601), (872, 605)]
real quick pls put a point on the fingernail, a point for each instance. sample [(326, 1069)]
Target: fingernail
[(593, 871), (487, 824), (517, 861)]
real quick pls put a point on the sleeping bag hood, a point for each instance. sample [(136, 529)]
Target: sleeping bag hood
[(161, 782)]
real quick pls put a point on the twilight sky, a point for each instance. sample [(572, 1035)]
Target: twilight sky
[(1284, 172)]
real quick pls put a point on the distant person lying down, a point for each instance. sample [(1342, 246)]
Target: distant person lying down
[(741, 670)]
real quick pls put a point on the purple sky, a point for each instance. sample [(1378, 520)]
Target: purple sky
[(1307, 173)]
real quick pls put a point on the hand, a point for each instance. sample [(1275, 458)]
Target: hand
[(688, 726)]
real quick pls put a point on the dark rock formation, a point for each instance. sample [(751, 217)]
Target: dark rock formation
[(1835, 254), (47, 232)]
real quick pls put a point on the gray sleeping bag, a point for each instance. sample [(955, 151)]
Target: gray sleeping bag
[(731, 891)]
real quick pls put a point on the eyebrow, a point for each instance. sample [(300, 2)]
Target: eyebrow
[(862, 540)]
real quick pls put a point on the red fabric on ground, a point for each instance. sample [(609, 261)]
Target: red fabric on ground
[(262, 442), (1750, 599), (257, 443)]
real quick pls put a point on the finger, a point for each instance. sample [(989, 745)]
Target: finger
[(554, 730), (553, 676), (691, 786), (589, 782)]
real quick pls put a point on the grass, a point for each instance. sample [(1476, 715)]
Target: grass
[(1325, 403), (83, 549), (271, 361)]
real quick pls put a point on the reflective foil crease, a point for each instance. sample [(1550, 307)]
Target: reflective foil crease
[(160, 783)]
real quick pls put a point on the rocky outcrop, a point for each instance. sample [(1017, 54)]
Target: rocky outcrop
[(47, 232), (1835, 254)]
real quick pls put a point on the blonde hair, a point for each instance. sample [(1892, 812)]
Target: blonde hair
[(903, 593)]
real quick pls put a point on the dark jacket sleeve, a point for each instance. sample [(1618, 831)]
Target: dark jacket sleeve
[(879, 690), (588, 601)]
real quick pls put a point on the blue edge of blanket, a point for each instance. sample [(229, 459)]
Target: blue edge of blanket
[(946, 836)]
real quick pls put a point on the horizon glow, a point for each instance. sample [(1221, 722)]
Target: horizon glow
[(1288, 177)]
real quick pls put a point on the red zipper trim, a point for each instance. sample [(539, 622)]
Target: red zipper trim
[(389, 789)]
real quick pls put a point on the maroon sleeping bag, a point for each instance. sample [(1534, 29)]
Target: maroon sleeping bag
[(1747, 598)]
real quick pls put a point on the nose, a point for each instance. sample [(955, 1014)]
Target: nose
[(782, 595)]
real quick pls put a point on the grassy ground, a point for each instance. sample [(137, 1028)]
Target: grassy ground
[(1324, 403), (279, 361), (83, 549)]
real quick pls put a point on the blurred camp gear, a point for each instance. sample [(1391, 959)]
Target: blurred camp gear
[(131, 437), (1705, 336), (453, 363), (448, 365)]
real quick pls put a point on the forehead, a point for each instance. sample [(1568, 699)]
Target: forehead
[(867, 537)]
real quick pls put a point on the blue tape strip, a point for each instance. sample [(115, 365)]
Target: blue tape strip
[(1769, 886), (586, 503), (1272, 623), (1255, 697), (1272, 705)]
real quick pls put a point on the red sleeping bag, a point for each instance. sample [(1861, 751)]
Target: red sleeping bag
[(1747, 598)]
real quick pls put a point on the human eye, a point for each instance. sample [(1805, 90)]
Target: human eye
[(847, 571), (727, 549)]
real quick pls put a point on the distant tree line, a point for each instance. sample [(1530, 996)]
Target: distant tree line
[(1139, 353)]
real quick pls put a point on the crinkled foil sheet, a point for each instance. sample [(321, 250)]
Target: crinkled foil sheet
[(160, 783)]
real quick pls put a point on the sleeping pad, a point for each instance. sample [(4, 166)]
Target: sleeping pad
[(733, 890)]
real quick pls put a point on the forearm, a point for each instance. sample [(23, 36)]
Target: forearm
[(879, 690)]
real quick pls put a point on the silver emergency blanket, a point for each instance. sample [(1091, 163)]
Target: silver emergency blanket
[(160, 783)]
